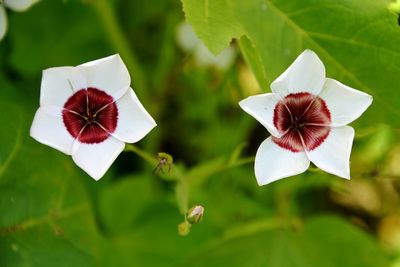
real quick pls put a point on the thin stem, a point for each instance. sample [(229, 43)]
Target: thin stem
[(110, 23), (237, 163), (181, 186), (181, 178), (141, 153)]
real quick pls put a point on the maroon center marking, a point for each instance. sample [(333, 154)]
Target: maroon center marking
[(303, 120), (90, 115)]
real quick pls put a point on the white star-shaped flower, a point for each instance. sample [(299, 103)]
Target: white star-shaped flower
[(89, 112), (16, 5), (306, 114)]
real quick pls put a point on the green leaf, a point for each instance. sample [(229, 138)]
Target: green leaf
[(251, 55), (41, 247), (214, 28), (357, 40), (153, 240), (12, 123), (122, 203), (377, 145), (200, 173), (316, 244), (55, 203), (43, 203), (59, 34)]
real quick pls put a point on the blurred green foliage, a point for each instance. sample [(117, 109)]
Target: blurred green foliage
[(53, 214)]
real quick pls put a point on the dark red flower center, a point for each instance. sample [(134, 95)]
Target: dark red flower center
[(303, 119), (90, 115)]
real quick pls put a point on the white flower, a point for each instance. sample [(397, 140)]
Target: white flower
[(16, 5), (306, 115), (190, 43), (89, 112)]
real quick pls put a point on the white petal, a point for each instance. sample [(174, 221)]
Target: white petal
[(344, 103), (261, 107), (134, 122), (273, 162), (96, 159), (306, 74), (59, 84), (108, 74), (48, 128), (3, 22), (19, 5), (333, 155)]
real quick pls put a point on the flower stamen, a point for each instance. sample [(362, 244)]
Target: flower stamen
[(90, 115), (303, 121)]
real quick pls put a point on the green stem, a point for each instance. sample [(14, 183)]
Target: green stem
[(237, 163), (196, 180), (180, 177), (181, 187), (141, 153), (107, 17), (182, 195)]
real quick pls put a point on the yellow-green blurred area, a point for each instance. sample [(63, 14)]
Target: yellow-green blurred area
[(53, 214)]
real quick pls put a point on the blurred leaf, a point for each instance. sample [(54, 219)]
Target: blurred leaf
[(377, 145), (363, 31), (55, 30), (122, 202), (235, 156), (40, 248), (200, 173), (154, 240), (317, 244)]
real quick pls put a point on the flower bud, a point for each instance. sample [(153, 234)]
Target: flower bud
[(195, 214), (184, 228), (165, 161)]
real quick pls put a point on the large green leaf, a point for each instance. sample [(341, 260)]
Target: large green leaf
[(46, 217), (357, 40), (149, 232), (122, 203), (323, 241), (10, 118), (41, 246)]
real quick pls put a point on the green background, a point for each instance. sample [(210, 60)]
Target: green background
[(53, 214)]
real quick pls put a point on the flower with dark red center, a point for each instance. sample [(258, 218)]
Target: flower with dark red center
[(303, 120), (306, 115), (90, 115), (89, 112)]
